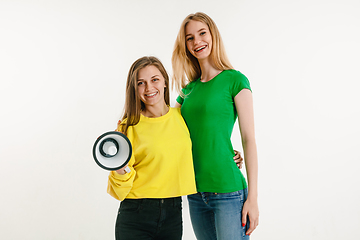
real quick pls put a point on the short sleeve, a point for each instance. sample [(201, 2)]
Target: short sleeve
[(185, 91), (180, 100), (239, 82)]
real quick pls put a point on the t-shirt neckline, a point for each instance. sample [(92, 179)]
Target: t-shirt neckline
[(199, 79)]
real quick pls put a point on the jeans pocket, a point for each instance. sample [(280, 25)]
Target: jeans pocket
[(229, 195), (129, 206), (128, 213)]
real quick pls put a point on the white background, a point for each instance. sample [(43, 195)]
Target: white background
[(63, 67)]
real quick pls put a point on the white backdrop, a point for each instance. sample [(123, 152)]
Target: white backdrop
[(63, 67)]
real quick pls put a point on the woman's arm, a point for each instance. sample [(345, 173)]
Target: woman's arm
[(244, 107), (119, 185), (121, 181)]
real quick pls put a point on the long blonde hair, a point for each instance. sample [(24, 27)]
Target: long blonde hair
[(186, 67), (133, 104)]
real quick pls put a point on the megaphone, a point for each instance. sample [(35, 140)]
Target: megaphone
[(112, 151)]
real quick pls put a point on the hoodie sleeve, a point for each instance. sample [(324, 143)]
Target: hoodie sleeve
[(119, 185)]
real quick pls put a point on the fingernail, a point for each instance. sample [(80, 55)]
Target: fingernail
[(243, 224)]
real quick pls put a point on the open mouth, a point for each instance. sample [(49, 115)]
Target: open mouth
[(151, 94), (199, 49)]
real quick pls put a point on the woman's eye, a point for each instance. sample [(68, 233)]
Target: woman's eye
[(140, 83), (189, 39), (155, 79), (202, 33)]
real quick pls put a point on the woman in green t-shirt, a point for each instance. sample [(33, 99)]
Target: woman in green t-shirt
[(213, 95)]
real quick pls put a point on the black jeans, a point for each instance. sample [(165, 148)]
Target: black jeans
[(149, 219)]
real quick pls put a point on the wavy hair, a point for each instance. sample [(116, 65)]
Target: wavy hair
[(133, 103), (186, 67)]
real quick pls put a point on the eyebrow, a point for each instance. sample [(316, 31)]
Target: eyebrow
[(197, 31), (140, 79)]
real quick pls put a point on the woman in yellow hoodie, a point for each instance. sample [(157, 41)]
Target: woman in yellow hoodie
[(161, 167)]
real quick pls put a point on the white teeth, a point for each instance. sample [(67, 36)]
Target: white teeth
[(150, 95), (200, 48)]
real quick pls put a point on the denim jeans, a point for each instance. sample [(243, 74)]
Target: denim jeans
[(217, 216), (149, 219)]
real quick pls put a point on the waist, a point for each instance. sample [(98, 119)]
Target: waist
[(174, 201)]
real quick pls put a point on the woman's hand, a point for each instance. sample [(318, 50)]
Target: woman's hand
[(250, 212), (122, 171), (238, 159)]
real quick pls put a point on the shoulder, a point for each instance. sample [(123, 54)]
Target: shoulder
[(189, 86), (175, 111), (236, 81), (186, 91), (121, 123), (234, 74), (236, 77), (121, 126)]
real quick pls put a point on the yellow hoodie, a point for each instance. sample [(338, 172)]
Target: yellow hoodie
[(161, 164)]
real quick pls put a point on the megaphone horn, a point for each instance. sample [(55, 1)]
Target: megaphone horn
[(112, 151)]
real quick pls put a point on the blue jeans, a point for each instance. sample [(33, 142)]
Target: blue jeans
[(217, 216), (149, 219)]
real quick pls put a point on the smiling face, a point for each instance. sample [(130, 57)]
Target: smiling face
[(198, 39), (151, 86)]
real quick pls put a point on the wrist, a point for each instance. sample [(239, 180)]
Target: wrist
[(121, 171), (252, 197)]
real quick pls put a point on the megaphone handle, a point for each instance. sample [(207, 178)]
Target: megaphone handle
[(127, 170)]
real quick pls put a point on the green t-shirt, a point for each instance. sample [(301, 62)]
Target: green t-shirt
[(210, 114)]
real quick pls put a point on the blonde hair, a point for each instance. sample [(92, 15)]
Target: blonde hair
[(133, 103), (186, 67)]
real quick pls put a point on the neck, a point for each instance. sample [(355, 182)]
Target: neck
[(155, 111), (208, 70)]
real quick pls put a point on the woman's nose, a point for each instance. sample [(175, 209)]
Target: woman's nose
[(148, 86), (196, 40)]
